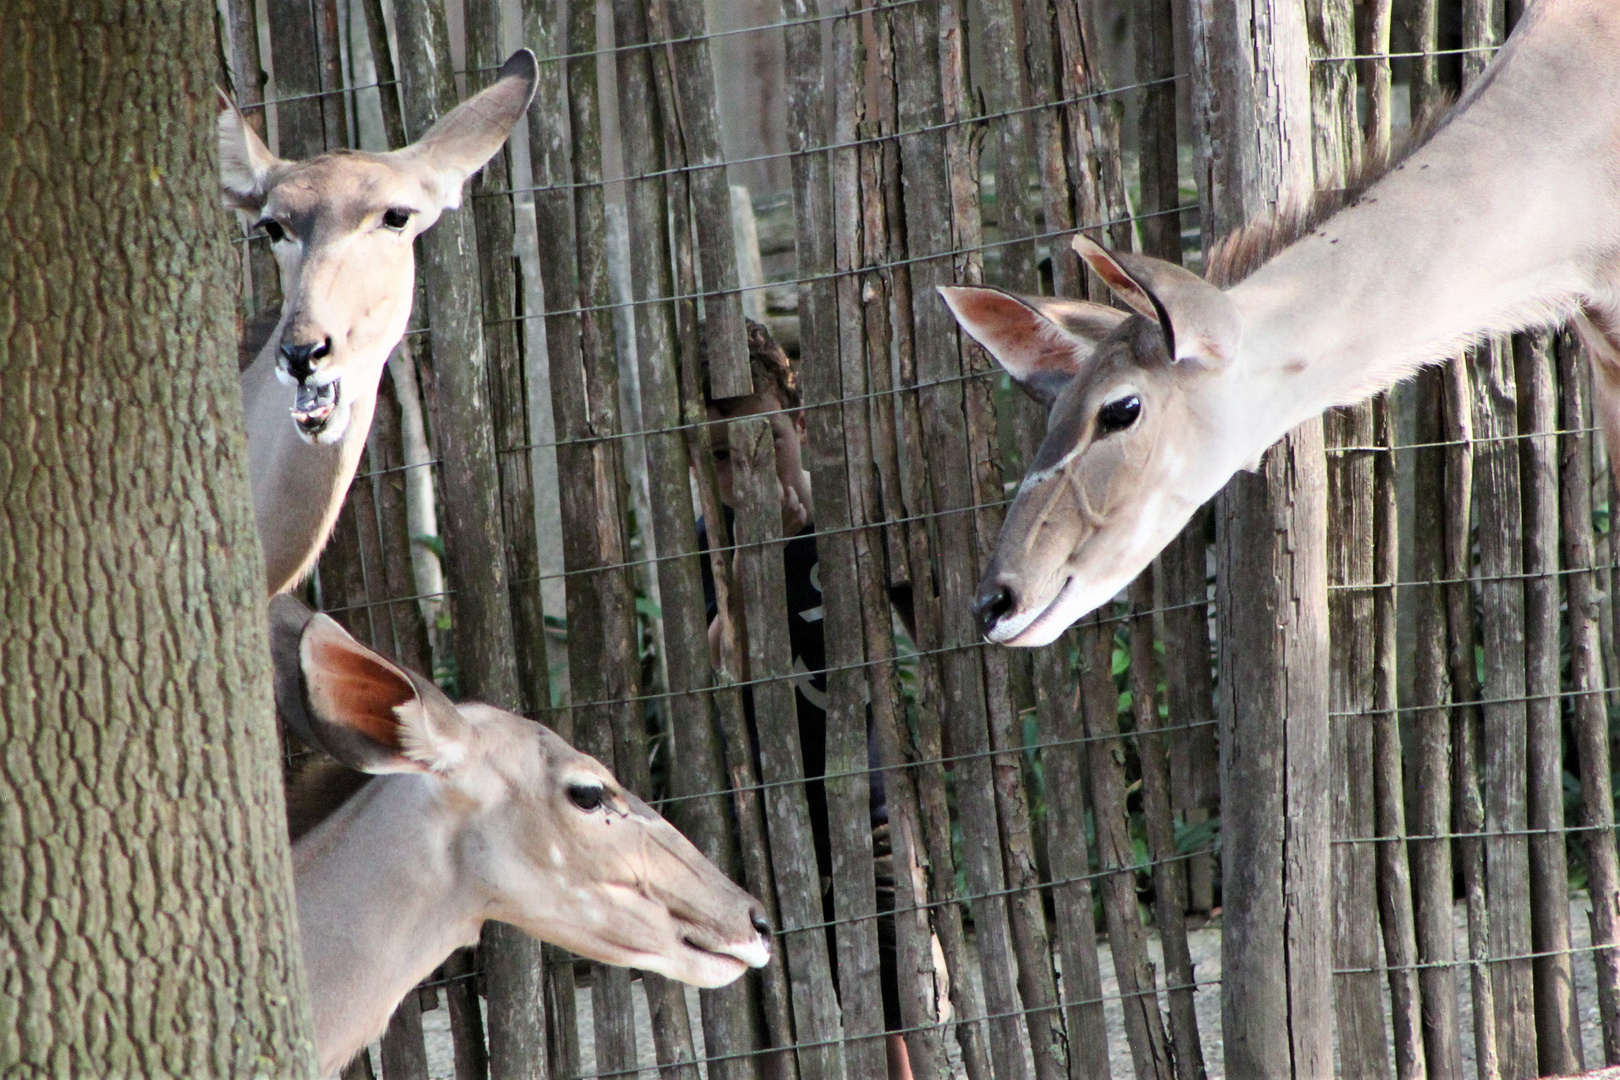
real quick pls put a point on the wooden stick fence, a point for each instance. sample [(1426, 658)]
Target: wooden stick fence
[(1450, 549)]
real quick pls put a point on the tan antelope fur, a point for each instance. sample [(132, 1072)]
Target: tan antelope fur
[(475, 814), (1508, 218), (341, 226)]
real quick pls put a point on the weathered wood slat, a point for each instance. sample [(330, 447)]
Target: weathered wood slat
[(1074, 925), (1001, 87), (829, 210), (1357, 994), (475, 540), (1169, 871), (248, 80), (1357, 1004), (1558, 1035), (296, 60), (1430, 726), (699, 766), (1116, 861), (1586, 677), (1468, 816), (545, 29), (698, 123), (1251, 104), (493, 211), (759, 578), (1389, 787), (404, 1054), (921, 53), (403, 632), (466, 1019), (735, 734), (382, 58), (1498, 499), (914, 191)]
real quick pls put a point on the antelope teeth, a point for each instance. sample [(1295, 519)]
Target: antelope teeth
[(314, 405)]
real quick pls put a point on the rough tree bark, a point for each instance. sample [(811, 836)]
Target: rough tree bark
[(146, 914)]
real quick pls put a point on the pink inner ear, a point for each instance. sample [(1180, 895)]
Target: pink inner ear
[(355, 690), (1023, 341), (1114, 276)]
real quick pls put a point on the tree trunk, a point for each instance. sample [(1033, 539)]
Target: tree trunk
[(147, 912)]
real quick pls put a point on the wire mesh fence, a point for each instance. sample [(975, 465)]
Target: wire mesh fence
[(979, 862)]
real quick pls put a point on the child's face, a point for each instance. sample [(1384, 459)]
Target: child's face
[(787, 431)]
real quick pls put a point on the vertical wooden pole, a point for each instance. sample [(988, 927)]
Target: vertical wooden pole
[(1498, 498), (1389, 788), (700, 768), (1116, 860), (1430, 725), (1169, 871), (1357, 1004), (1182, 570), (475, 542), (1056, 695), (1468, 814), (759, 575), (1557, 1021), (1431, 720), (1389, 785), (1252, 94), (247, 86), (874, 469), (692, 72), (492, 209), (927, 52), (737, 739), (830, 218), (1001, 87), (296, 58), (1586, 675), (545, 29)]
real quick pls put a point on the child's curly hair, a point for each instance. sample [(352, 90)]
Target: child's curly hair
[(773, 372)]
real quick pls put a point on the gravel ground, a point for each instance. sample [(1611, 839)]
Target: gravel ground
[(1205, 945)]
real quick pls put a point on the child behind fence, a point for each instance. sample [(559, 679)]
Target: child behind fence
[(777, 397)]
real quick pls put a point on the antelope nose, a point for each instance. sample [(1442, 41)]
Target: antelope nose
[(994, 601), (300, 358)]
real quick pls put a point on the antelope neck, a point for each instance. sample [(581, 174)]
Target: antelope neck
[(374, 926), (1496, 224), (298, 487)]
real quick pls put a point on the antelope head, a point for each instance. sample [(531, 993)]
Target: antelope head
[(523, 828), (1137, 436), (341, 226)]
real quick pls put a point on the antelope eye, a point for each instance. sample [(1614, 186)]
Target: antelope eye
[(585, 796), (272, 228), (396, 218), (1119, 414)]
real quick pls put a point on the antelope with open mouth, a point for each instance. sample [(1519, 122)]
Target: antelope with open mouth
[(474, 814), (1509, 218), (341, 226)]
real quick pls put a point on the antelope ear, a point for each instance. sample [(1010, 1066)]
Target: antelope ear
[(470, 134), (1042, 342), (245, 163), (1200, 322), (340, 697)]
